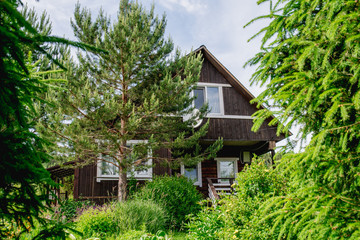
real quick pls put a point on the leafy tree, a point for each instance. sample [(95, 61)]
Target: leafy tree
[(310, 63), (136, 92)]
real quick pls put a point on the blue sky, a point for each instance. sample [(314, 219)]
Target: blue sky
[(217, 24)]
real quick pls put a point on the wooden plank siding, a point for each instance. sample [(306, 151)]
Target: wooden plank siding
[(239, 130), (210, 74), (86, 186), (237, 104)]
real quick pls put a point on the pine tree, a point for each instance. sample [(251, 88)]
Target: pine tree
[(310, 64), (138, 91)]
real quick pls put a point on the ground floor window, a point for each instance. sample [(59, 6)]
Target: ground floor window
[(193, 173), (226, 168), (108, 171)]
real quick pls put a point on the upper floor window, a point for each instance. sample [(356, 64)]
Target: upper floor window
[(212, 95), (108, 171)]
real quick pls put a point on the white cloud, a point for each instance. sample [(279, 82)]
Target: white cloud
[(190, 6)]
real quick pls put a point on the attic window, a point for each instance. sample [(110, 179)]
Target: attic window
[(212, 95)]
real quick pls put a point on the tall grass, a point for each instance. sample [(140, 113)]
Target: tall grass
[(116, 218)]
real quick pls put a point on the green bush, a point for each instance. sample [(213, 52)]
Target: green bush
[(206, 224), (238, 216), (135, 214), (118, 218), (98, 222), (255, 185), (177, 195)]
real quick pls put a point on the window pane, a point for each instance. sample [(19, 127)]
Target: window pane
[(213, 99), (227, 169), (108, 168), (200, 97), (191, 173)]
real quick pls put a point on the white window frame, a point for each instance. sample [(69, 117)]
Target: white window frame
[(199, 180), (227, 159), (222, 106), (221, 97), (148, 176)]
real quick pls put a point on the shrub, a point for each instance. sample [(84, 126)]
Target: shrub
[(135, 214), (238, 216), (177, 195), (206, 224), (241, 212), (98, 221)]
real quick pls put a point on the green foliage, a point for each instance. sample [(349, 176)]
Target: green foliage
[(158, 236), (36, 230), (131, 234), (206, 225), (70, 209), (118, 218), (135, 214), (254, 186), (238, 216), (310, 64), (98, 222), (23, 179), (177, 195)]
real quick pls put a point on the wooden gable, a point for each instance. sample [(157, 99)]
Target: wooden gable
[(235, 124)]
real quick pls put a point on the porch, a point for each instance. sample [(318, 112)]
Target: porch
[(218, 187)]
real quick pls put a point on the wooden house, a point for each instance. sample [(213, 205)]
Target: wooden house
[(229, 117)]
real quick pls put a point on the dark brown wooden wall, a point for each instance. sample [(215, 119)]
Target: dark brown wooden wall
[(210, 74), (87, 186), (236, 104), (239, 130)]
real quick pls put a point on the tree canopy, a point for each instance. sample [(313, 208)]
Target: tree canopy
[(309, 62)]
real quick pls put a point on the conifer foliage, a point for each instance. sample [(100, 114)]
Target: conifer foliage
[(138, 91), (23, 179), (310, 62)]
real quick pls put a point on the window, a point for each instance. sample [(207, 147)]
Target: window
[(193, 173), (108, 171), (227, 168), (212, 95)]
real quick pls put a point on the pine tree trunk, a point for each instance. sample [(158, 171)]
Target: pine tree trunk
[(122, 184), (123, 170)]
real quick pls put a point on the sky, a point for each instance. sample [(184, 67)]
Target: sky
[(217, 24)]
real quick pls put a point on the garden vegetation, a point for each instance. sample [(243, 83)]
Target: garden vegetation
[(309, 62)]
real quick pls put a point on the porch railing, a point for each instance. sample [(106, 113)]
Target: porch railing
[(219, 186)]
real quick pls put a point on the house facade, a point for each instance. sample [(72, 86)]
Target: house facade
[(229, 118)]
